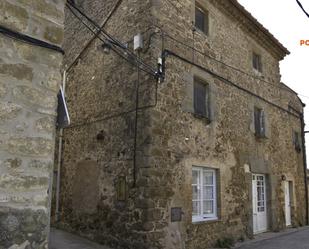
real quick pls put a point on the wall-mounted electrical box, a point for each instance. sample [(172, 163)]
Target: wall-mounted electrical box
[(138, 42)]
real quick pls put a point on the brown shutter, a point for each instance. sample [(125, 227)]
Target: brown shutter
[(262, 121), (257, 123), (199, 19), (200, 98)]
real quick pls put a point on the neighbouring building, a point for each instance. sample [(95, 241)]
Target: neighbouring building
[(31, 33), (214, 151)]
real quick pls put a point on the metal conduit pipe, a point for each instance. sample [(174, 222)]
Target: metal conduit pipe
[(59, 158)]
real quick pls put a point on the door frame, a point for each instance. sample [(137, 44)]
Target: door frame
[(288, 189), (254, 202)]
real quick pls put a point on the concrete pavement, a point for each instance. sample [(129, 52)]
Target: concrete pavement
[(290, 239), (295, 238), (63, 240)]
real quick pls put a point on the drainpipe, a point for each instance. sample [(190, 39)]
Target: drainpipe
[(59, 158), (305, 165)]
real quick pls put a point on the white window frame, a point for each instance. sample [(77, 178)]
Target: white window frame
[(205, 217)]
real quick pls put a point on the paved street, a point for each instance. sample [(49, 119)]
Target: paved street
[(292, 239), (63, 240)]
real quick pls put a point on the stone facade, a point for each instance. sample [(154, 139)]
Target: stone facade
[(108, 198), (29, 82)]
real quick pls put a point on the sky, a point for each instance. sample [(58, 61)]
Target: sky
[(286, 21)]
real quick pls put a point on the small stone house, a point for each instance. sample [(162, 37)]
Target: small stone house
[(210, 152)]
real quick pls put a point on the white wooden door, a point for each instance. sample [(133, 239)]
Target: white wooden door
[(259, 203), (287, 203)]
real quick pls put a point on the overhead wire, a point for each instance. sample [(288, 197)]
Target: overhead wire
[(112, 47), (167, 35), (109, 37), (28, 39), (225, 80), (128, 58), (94, 36), (302, 8)]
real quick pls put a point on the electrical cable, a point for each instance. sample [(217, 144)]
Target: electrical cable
[(167, 53), (109, 117), (29, 40), (107, 35), (302, 7), (135, 63), (69, 3), (165, 34), (111, 13)]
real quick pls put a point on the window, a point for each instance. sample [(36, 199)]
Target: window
[(257, 62), (201, 19), (201, 98), (204, 194), (259, 122), (296, 141)]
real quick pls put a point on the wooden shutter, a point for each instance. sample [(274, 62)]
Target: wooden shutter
[(257, 62), (199, 18), (200, 98), (262, 123), (257, 123)]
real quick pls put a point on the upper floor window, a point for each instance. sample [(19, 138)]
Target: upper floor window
[(257, 62), (204, 194), (201, 98), (259, 122), (201, 19)]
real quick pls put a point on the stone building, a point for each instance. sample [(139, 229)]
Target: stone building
[(31, 33), (211, 153)]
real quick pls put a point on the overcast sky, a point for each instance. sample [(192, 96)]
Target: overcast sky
[(285, 20)]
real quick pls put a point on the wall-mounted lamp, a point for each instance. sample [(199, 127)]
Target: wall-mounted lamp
[(101, 136), (283, 178), (106, 46)]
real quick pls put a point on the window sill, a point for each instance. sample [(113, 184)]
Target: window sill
[(201, 32), (260, 136), (202, 221), (205, 118), (257, 73)]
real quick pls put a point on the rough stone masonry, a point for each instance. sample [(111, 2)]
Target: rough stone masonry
[(29, 82), (106, 197)]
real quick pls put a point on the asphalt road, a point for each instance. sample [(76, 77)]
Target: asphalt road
[(291, 239), (294, 240), (63, 240)]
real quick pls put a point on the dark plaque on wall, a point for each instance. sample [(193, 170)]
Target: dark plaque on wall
[(176, 214)]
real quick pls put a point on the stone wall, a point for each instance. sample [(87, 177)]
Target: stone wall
[(29, 82), (171, 139), (98, 147), (227, 143)]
